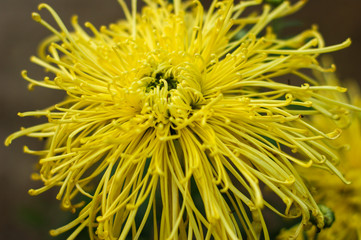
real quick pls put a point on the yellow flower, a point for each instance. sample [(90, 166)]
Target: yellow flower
[(344, 200), (176, 114), (290, 234)]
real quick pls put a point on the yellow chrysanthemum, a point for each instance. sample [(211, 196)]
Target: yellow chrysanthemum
[(176, 115), (342, 202)]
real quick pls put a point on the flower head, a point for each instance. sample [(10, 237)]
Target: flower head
[(176, 114), (344, 200)]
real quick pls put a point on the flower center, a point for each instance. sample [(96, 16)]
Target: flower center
[(161, 79)]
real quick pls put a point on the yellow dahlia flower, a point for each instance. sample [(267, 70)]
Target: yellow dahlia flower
[(179, 118)]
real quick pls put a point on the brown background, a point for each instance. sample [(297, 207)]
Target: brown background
[(25, 217)]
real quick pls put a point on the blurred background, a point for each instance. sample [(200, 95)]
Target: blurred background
[(26, 217)]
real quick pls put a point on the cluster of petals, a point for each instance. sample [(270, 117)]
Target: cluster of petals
[(178, 119), (342, 202)]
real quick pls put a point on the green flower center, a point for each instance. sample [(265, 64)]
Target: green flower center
[(161, 79)]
